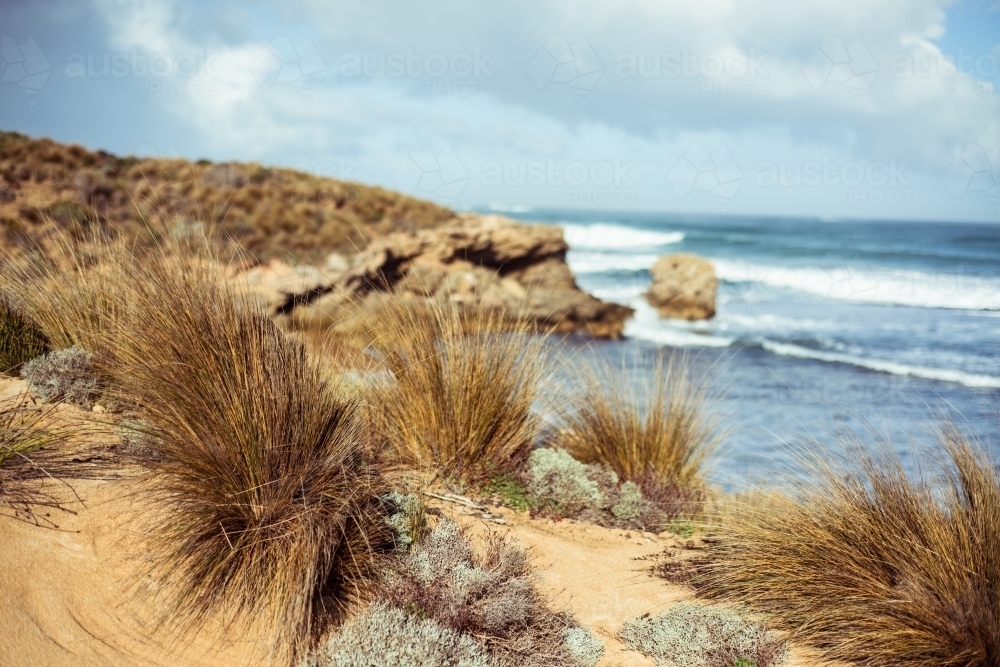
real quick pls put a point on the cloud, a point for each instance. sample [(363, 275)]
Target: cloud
[(856, 84)]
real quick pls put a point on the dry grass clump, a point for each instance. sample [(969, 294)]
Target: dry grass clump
[(490, 597), (63, 375), (872, 567), (694, 635), (20, 339), (269, 510), (386, 636), (463, 391), (656, 432), (69, 290), (32, 453)]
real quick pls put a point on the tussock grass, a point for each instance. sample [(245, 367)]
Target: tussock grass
[(20, 339), (270, 508), (266, 511), (657, 432), (872, 567), (464, 385), (67, 290)]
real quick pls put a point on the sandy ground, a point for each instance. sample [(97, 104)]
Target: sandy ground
[(79, 595)]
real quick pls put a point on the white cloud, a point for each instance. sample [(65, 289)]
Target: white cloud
[(851, 81)]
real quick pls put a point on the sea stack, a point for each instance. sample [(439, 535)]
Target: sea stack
[(683, 287)]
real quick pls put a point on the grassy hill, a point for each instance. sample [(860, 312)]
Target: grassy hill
[(269, 211)]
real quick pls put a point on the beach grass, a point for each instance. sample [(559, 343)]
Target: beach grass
[(870, 566), (657, 430), (463, 388)]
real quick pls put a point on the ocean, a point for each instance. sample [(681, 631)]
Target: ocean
[(880, 328)]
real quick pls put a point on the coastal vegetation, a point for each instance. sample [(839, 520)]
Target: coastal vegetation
[(283, 486)]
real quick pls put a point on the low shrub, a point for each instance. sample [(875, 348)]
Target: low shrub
[(406, 518), (559, 485), (871, 566), (63, 375), (20, 339), (556, 476), (389, 637), (490, 597), (463, 391), (654, 430), (694, 635)]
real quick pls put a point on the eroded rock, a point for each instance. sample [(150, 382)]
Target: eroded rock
[(683, 287), (486, 261)]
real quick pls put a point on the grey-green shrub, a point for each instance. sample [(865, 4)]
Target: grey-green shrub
[(559, 483), (556, 476), (583, 645), (491, 596), (631, 503), (385, 636), (406, 520), (696, 635), (64, 375)]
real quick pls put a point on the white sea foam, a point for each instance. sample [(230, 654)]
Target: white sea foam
[(647, 325), (584, 261), (510, 208), (603, 236), (943, 374), (847, 282)]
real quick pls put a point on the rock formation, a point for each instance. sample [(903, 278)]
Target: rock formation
[(683, 287), (484, 261)]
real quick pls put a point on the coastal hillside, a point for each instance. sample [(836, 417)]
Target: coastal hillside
[(271, 212)]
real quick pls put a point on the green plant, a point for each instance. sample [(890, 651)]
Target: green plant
[(872, 566), (695, 635), (20, 339), (511, 490), (681, 528), (463, 391)]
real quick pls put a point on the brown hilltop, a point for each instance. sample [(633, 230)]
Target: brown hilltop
[(293, 224), (270, 211)]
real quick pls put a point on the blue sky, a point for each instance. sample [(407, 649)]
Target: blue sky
[(838, 109)]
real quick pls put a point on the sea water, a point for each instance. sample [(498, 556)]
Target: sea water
[(880, 328)]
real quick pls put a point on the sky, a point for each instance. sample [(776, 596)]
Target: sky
[(830, 109)]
